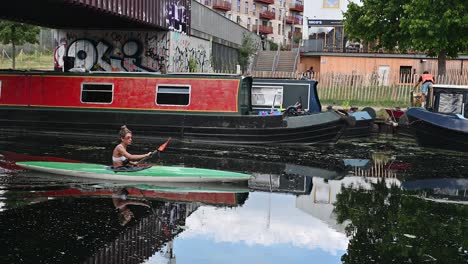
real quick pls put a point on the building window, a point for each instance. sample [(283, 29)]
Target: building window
[(256, 21), (238, 19), (172, 95), (331, 3), (246, 7), (97, 93), (405, 74), (248, 21), (254, 8), (279, 29), (279, 15), (208, 2), (273, 10), (238, 6), (230, 16)]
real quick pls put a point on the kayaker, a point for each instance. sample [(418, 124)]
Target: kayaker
[(427, 80), (120, 156), (119, 198)]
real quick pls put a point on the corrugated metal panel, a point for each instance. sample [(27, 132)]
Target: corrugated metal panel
[(160, 13)]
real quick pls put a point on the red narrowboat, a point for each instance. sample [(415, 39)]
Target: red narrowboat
[(190, 107)]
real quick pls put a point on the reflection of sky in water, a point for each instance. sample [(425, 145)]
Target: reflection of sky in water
[(257, 231)]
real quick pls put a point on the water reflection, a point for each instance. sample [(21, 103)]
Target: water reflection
[(358, 202)]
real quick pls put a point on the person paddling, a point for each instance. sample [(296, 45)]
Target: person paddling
[(120, 156)]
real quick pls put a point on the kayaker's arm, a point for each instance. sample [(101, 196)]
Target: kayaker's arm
[(129, 156), (120, 203)]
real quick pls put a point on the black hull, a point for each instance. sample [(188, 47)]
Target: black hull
[(430, 135), (311, 129), (363, 128)]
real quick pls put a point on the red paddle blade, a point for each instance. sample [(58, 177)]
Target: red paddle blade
[(163, 146)]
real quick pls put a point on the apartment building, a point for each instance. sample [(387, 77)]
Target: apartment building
[(277, 20)]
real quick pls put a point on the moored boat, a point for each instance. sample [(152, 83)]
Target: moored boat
[(444, 123), (147, 174), (188, 107)]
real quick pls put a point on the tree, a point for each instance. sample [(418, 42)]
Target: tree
[(17, 34), (391, 225), (437, 28), (246, 50)]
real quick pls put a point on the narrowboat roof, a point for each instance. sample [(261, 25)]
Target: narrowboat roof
[(101, 73), (450, 86)]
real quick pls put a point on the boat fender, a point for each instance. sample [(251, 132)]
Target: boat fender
[(127, 168)]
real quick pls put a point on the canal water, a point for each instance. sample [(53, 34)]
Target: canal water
[(376, 200)]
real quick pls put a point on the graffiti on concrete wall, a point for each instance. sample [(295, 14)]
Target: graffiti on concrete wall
[(113, 51), (132, 51), (186, 49)]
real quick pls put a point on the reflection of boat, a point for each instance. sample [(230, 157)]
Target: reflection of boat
[(444, 123), (267, 176), (189, 107), (208, 195), (151, 174), (92, 233)]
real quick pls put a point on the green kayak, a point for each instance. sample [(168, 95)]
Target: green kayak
[(148, 174)]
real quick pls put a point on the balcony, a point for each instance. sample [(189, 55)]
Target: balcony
[(296, 7), (262, 29), (268, 2), (222, 5), (293, 20), (267, 15)]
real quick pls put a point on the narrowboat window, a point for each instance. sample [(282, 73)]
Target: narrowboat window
[(97, 93), (450, 103), (267, 96), (173, 95)]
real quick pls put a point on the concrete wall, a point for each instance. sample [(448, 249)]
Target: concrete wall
[(208, 24), (140, 51)]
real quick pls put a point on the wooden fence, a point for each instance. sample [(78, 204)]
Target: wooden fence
[(367, 89)]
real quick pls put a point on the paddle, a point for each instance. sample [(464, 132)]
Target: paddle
[(160, 149)]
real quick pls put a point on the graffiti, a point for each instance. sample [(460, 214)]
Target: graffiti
[(187, 49), (123, 52), (132, 51)]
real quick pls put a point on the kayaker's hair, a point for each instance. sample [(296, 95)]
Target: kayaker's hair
[(124, 131)]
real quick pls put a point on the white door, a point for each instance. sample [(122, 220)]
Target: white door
[(384, 72)]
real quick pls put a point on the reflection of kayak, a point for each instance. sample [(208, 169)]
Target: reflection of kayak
[(153, 174)]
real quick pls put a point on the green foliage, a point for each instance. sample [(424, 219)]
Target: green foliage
[(396, 226), (17, 34), (437, 28), (273, 45), (246, 50), (297, 39), (192, 65)]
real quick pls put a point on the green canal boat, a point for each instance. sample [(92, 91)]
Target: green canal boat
[(146, 174)]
